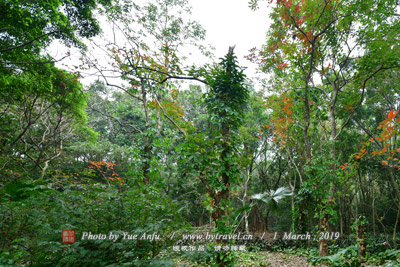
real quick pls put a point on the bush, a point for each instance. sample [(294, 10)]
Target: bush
[(32, 226)]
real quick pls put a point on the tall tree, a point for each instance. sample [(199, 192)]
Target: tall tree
[(146, 58), (335, 48), (31, 88), (213, 157)]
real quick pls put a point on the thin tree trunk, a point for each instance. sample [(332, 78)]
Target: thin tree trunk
[(363, 243), (324, 224), (267, 221), (341, 221), (245, 213), (395, 227), (307, 123), (373, 212), (147, 157)]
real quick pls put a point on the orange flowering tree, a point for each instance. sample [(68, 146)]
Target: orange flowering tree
[(332, 48), (385, 149), (385, 146), (282, 118), (105, 171)]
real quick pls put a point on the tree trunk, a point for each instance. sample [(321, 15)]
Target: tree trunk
[(307, 123), (147, 157), (397, 204), (324, 224), (373, 212), (267, 222), (147, 160), (362, 246), (217, 215), (323, 245), (395, 227)]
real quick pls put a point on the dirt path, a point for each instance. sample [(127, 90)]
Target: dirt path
[(272, 259), (265, 259)]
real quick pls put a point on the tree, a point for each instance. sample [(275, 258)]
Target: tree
[(39, 102), (29, 26), (38, 124), (225, 101), (388, 153), (212, 157), (272, 199), (255, 146), (334, 48), (147, 59)]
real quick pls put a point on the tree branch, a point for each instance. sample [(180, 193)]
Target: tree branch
[(114, 118), (168, 117), (24, 44), (32, 62), (370, 134), (362, 96)]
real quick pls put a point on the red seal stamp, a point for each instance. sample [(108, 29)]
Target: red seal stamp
[(68, 236)]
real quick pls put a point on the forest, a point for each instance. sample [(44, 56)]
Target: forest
[(161, 161)]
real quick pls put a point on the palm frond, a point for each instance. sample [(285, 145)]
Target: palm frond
[(272, 197)]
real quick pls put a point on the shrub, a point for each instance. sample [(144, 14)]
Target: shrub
[(32, 225)]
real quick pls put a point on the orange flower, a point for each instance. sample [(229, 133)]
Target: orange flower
[(392, 114), (343, 166)]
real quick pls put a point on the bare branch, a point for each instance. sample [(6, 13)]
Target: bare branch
[(320, 89), (119, 87), (370, 134), (182, 78), (362, 96), (24, 44), (168, 117), (116, 119), (32, 62)]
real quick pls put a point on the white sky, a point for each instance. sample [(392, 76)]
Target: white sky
[(232, 22), (227, 23)]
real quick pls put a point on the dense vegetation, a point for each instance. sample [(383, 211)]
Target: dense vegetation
[(159, 147)]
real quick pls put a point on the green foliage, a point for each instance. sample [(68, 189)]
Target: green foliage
[(360, 222), (39, 119), (29, 26), (32, 226), (225, 105), (272, 197), (347, 257), (390, 257), (335, 78), (312, 199), (42, 107), (229, 94), (203, 258), (212, 157)]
